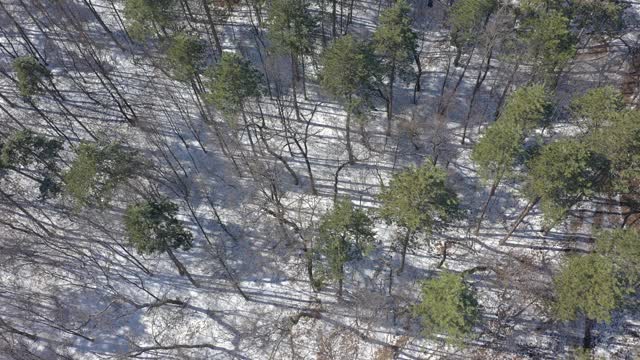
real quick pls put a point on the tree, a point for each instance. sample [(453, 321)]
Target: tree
[(548, 39), (152, 227), (499, 149), (496, 154), (33, 156), (98, 170), (562, 174), (31, 75), (418, 201), (185, 56), (468, 18), (528, 107), (347, 68), (622, 246), (345, 233), (595, 108), (618, 139), (448, 306), (586, 285), (231, 83), (148, 17), (395, 42), (291, 27)]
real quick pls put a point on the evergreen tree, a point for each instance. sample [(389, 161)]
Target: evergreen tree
[(496, 155), (618, 139), (587, 285), (562, 174), (345, 233), (231, 83), (395, 42), (97, 171), (291, 27), (185, 56), (148, 17), (548, 39), (35, 157), (448, 306), (31, 75), (347, 68), (152, 227), (622, 246), (528, 107), (468, 18), (419, 202), (594, 109)]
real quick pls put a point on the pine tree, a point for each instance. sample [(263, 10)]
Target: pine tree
[(152, 227), (496, 155), (528, 107), (468, 18), (291, 26), (594, 109), (347, 68), (548, 39), (345, 233), (622, 246), (395, 42), (587, 285), (419, 202), (231, 83), (97, 171), (185, 56), (448, 306), (148, 17), (33, 156), (31, 75)]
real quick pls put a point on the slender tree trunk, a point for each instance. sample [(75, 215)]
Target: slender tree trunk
[(405, 245), (494, 186), (182, 270), (212, 26), (523, 214), (392, 78), (348, 135), (587, 341)]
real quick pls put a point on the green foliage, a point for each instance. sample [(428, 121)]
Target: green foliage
[(147, 17), (468, 18), (618, 139), (603, 17), (563, 173), (347, 67), (31, 75), (448, 306), (25, 147), (549, 40), (498, 149), (97, 171), (291, 26), (597, 106), (528, 107), (186, 56), (152, 227), (345, 233), (231, 83), (393, 40), (26, 150), (586, 285), (419, 200), (622, 246)]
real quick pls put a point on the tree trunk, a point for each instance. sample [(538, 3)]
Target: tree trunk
[(494, 186), (587, 341), (182, 270), (392, 77), (212, 25), (348, 135), (524, 213), (403, 254)]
